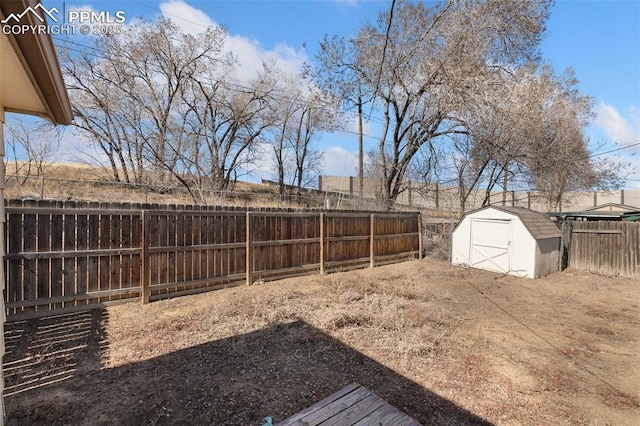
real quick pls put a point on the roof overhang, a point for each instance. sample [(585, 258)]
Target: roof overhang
[(35, 54), (594, 214), (518, 212), (613, 207)]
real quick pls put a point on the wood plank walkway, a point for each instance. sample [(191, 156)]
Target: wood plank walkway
[(350, 406)]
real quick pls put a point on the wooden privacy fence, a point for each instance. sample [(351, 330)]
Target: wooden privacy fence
[(63, 257), (606, 247)]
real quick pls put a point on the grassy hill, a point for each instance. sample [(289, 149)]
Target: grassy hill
[(81, 182), (78, 182)]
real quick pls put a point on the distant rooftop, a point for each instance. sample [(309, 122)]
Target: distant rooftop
[(613, 207), (610, 211)]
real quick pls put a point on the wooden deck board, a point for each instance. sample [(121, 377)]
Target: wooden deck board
[(358, 411), (387, 414), (352, 405), (336, 407), (294, 420)]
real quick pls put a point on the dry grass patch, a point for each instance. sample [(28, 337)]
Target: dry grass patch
[(615, 398), (444, 344)]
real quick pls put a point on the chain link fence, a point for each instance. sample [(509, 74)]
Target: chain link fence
[(61, 189), (436, 231), (436, 237)]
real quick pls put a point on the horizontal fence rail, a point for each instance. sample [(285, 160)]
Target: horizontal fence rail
[(63, 257), (606, 247)]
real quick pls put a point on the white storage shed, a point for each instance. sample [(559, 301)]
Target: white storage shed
[(512, 240)]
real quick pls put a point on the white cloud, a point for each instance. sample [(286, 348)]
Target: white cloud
[(189, 19), (622, 130), (632, 171), (339, 162), (288, 58), (76, 147), (349, 3), (352, 127), (248, 52), (84, 7)]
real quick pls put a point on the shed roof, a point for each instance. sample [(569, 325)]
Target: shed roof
[(538, 224), (597, 215)]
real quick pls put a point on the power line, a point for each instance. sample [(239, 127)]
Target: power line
[(614, 150), (193, 22), (558, 350), (237, 85), (384, 47), (369, 118), (232, 84)]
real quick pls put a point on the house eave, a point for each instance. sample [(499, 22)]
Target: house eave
[(40, 62)]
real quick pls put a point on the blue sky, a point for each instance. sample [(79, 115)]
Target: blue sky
[(599, 39)]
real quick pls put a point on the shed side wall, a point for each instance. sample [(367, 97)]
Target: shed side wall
[(461, 242), (547, 256)]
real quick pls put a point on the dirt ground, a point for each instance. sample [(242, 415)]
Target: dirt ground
[(444, 344)]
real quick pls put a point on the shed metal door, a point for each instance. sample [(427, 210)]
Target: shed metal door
[(490, 244)]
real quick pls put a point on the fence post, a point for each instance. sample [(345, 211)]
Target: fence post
[(372, 237), (322, 248), (144, 256), (42, 187), (249, 251), (565, 244), (420, 236)]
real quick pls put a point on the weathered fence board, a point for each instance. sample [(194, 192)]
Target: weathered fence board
[(58, 259), (191, 251), (606, 247), (281, 245), (65, 257)]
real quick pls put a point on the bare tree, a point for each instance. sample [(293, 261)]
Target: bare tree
[(532, 129), (224, 124), (280, 133), (303, 112), (497, 128), (425, 66), (163, 107), (558, 158), (126, 91), (33, 146)]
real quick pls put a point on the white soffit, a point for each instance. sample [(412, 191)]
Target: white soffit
[(16, 89)]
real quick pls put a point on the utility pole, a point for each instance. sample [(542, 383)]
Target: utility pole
[(360, 147)]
